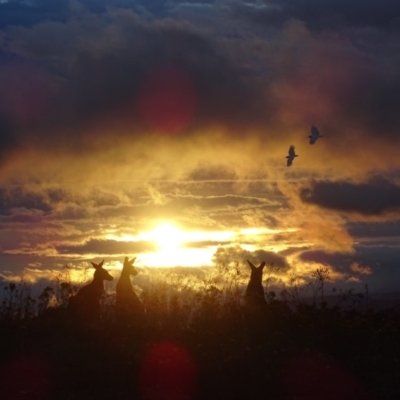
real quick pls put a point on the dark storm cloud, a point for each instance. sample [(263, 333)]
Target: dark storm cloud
[(384, 262), (155, 7), (376, 104), (352, 90), (103, 61), (111, 57), (377, 257), (24, 204), (341, 77), (17, 12), (340, 262), (114, 80), (8, 142), (18, 198), (95, 246), (375, 197), (326, 15), (28, 13), (388, 230), (376, 266)]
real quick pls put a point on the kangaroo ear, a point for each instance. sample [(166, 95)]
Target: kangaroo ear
[(252, 266), (101, 264), (126, 260), (96, 266), (132, 261), (262, 265)]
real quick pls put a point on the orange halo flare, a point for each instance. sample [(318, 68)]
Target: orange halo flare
[(168, 99)]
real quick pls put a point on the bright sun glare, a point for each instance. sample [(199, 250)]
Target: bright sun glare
[(166, 236), (200, 246)]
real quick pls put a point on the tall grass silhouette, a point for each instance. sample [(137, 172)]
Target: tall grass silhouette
[(305, 346)]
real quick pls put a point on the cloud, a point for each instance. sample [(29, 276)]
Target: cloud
[(17, 197), (377, 196), (228, 255), (206, 171), (334, 14), (106, 247), (111, 58), (26, 13), (375, 231), (338, 261), (248, 98), (221, 202), (8, 143), (360, 269), (314, 227), (373, 265)]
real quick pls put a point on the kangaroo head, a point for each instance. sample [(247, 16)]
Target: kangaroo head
[(128, 266), (101, 273), (256, 272)]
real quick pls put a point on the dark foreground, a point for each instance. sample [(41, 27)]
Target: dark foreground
[(311, 352)]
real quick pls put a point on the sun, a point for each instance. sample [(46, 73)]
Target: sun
[(167, 236)]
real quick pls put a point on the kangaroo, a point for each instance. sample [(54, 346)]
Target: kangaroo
[(128, 305), (85, 305), (255, 304), (255, 291)]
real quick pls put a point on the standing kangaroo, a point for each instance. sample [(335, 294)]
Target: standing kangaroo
[(255, 291), (85, 305), (128, 305)]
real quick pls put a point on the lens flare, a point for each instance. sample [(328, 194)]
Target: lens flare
[(168, 372), (168, 99)]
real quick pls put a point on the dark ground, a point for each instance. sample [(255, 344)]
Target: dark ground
[(312, 352)]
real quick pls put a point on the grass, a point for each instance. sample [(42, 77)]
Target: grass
[(200, 341)]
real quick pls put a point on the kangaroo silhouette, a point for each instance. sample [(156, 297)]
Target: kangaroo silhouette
[(255, 291), (129, 308), (85, 305)]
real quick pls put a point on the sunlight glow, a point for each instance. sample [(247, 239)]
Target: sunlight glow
[(192, 248), (184, 257), (258, 231), (166, 236)]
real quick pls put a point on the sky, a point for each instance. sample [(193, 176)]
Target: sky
[(160, 129)]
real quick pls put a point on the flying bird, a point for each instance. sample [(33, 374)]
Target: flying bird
[(290, 157), (314, 134)]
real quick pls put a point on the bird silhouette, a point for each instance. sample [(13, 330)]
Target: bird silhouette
[(290, 157), (315, 135)]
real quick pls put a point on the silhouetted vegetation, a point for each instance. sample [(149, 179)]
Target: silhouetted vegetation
[(199, 341)]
